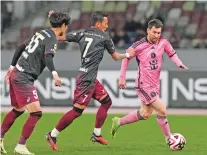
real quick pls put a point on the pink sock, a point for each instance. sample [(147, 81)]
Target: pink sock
[(133, 116), (163, 123)]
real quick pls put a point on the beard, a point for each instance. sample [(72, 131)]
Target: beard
[(154, 40)]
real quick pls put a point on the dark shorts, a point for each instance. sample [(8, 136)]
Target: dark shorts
[(22, 91), (84, 93)]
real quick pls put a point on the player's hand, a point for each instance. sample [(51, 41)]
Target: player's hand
[(57, 79), (8, 73), (122, 84), (183, 66), (50, 12)]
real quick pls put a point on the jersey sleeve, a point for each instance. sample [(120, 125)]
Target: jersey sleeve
[(136, 49), (50, 46), (109, 45), (18, 53), (169, 49), (74, 37)]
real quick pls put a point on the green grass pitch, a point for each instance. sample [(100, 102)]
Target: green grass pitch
[(142, 138)]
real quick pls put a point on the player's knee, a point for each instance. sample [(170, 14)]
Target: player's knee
[(143, 115), (36, 114), (17, 112), (162, 112), (146, 115), (106, 100), (78, 110)]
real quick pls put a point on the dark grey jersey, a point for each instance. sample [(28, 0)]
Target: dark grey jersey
[(32, 61), (93, 43)]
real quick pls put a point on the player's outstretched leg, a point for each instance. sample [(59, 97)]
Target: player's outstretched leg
[(132, 117), (162, 121), (63, 123), (100, 119), (6, 125), (142, 114)]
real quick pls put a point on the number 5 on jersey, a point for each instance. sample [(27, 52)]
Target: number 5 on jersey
[(89, 40), (34, 42)]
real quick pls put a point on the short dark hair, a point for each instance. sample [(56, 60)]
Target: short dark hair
[(97, 16), (156, 23), (57, 19)]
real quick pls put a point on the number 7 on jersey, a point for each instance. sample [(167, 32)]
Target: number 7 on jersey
[(89, 40)]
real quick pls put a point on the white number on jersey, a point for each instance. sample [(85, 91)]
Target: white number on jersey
[(89, 40), (34, 42)]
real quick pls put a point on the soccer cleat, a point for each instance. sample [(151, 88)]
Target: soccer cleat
[(52, 141), (115, 126), (22, 150), (98, 139), (3, 151), (167, 140)]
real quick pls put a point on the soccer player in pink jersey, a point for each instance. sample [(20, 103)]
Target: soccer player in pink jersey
[(148, 53)]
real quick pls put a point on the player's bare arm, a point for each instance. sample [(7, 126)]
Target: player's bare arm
[(15, 58), (117, 56)]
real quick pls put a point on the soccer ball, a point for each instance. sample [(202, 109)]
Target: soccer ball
[(176, 141)]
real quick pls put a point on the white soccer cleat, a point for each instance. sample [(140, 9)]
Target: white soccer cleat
[(22, 149), (3, 151)]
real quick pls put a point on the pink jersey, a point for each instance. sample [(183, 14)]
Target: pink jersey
[(149, 58)]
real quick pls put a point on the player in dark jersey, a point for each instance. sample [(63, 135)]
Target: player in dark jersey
[(93, 43), (29, 60)]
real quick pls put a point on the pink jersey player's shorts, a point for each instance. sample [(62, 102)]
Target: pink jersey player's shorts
[(22, 91), (148, 95), (83, 93)]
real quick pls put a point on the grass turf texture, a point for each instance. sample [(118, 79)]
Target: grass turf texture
[(144, 137)]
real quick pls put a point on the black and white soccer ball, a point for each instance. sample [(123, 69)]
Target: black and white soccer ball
[(176, 141)]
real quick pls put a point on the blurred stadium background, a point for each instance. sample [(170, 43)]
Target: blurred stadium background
[(185, 25), (186, 28)]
